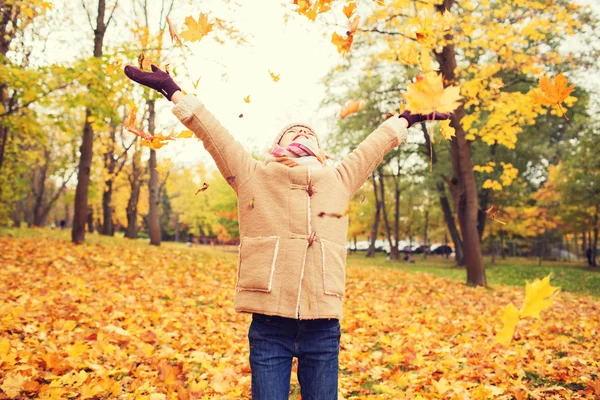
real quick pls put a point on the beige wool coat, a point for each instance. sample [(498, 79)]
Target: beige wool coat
[(292, 263)]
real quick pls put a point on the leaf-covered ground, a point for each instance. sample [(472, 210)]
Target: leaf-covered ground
[(125, 320)]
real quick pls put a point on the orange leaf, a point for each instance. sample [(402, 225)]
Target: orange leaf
[(352, 107), (349, 9), (144, 62), (247, 99)]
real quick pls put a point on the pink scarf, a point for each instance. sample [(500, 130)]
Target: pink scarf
[(301, 152)]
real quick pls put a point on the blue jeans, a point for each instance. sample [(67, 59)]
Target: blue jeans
[(275, 341)]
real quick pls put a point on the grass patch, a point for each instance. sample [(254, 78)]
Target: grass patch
[(571, 277)]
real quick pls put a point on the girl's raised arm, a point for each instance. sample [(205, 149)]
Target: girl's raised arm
[(233, 161), (357, 166)]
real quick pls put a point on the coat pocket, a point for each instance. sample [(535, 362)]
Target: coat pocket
[(256, 265), (334, 268)]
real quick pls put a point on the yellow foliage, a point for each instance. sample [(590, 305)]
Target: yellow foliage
[(492, 184)]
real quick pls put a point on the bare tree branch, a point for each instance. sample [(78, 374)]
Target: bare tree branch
[(111, 14), (88, 14)]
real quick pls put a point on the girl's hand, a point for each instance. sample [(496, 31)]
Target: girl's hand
[(415, 118), (158, 80)]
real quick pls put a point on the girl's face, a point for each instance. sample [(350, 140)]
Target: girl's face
[(295, 133)]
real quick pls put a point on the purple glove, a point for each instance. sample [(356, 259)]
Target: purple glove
[(158, 80), (415, 118)]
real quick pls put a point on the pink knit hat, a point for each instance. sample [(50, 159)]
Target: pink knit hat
[(288, 126)]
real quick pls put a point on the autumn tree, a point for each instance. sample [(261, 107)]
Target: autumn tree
[(81, 210), (515, 38)]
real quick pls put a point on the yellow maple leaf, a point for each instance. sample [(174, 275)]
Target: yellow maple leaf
[(349, 9), (510, 319), (446, 130), (13, 384), (428, 95), (196, 30), (538, 296), (441, 386), (247, 99), (273, 76)]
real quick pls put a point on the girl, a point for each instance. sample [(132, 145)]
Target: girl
[(291, 272)]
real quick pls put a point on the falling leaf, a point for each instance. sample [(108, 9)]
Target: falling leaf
[(446, 130), (241, 115), (251, 205), (273, 76), (552, 93), (111, 68), (492, 212), (343, 44), (247, 99), (130, 125), (362, 198), (203, 188), (538, 296), (349, 9), (351, 107), (196, 30), (185, 134), (196, 83), (428, 95), (174, 36), (510, 319)]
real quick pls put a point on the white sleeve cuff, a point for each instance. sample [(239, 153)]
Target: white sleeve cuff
[(185, 108), (399, 126)]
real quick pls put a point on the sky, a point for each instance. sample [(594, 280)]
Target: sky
[(299, 51)]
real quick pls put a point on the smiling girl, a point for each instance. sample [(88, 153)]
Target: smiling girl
[(291, 272)]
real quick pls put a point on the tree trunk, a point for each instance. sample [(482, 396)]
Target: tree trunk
[(375, 229), (484, 197), (502, 251), (107, 209), (87, 144), (135, 184), (394, 251), (449, 218), (595, 245), (425, 248), (90, 219), (153, 217), (464, 185), (109, 165), (384, 211)]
